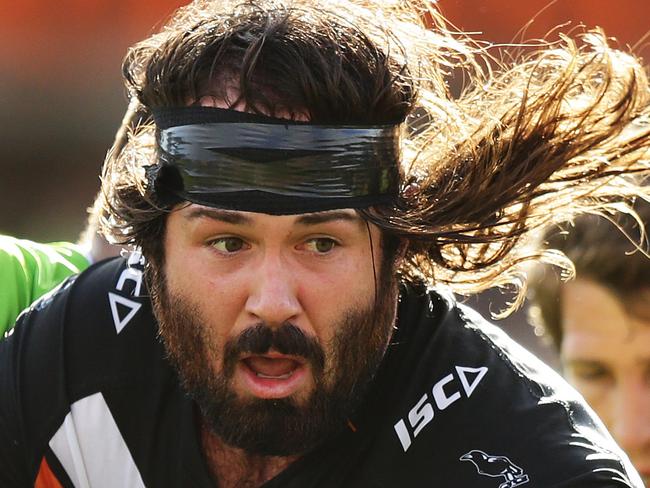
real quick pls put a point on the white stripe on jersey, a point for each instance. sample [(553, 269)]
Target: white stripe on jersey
[(91, 449)]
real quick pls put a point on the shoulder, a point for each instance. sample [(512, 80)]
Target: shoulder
[(92, 338), (29, 269), (443, 334), (91, 331), (94, 318), (45, 264), (465, 387)]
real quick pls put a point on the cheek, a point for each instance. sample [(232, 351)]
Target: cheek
[(349, 279), (218, 296), (599, 395), (602, 403), (201, 325), (327, 299)]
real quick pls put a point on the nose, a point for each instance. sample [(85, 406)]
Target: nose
[(631, 420), (273, 292)]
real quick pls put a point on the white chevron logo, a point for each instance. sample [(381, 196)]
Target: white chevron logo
[(116, 301), (462, 375)]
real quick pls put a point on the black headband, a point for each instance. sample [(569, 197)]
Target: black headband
[(236, 160)]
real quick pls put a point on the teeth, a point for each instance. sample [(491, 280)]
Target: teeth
[(270, 377)]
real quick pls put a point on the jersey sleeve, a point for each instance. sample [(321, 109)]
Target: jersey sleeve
[(477, 409), (29, 269)]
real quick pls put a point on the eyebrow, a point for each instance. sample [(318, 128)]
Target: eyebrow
[(324, 217), (237, 218), (226, 216)]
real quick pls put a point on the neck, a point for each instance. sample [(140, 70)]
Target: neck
[(231, 467)]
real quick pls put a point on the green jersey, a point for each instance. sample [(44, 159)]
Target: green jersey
[(29, 269)]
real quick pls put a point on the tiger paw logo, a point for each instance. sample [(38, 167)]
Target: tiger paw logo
[(497, 467)]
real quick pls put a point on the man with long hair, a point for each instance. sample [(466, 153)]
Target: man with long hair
[(301, 180)]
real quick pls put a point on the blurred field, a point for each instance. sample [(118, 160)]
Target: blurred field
[(61, 100)]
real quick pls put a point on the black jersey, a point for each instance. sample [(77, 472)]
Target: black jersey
[(89, 400)]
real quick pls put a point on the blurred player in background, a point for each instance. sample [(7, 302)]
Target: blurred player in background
[(600, 323)]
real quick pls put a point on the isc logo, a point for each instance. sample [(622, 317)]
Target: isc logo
[(119, 304), (444, 393)]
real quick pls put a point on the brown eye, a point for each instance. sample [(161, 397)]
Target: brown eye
[(228, 244), (321, 245)]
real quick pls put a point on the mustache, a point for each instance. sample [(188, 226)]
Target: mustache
[(287, 339)]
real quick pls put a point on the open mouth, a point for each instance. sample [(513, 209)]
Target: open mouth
[(272, 375), (266, 367)]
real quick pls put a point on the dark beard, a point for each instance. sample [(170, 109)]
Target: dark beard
[(277, 427)]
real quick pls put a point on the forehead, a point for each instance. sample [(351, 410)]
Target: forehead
[(597, 320)]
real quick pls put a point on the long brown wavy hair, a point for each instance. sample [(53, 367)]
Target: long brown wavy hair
[(611, 250), (529, 143)]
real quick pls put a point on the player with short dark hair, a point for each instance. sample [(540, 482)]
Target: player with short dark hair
[(301, 180)]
